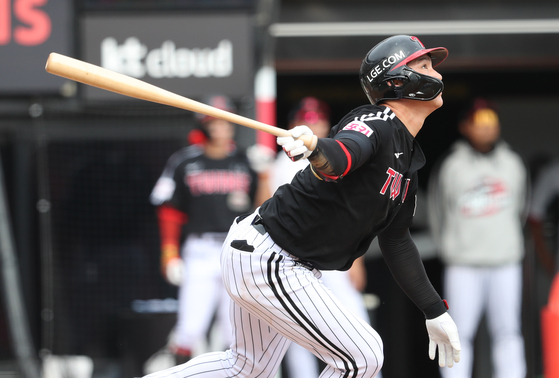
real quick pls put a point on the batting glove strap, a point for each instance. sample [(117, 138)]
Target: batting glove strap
[(435, 310), (443, 335)]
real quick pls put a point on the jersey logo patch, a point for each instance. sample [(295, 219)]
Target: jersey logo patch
[(360, 127)]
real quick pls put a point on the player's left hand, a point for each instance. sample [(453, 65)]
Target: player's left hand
[(293, 147), (174, 270), (443, 334)]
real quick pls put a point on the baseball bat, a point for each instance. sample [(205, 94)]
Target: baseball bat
[(96, 76)]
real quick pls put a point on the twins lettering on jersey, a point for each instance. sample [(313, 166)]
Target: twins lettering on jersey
[(217, 182), (394, 182)]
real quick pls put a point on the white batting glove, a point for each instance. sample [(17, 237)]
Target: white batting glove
[(293, 147), (443, 334), (260, 157), (174, 271)]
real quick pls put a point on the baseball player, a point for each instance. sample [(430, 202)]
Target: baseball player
[(205, 186), (360, 184), (477, 209), (346, 285)]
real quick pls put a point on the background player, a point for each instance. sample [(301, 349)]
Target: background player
[(347, 285), (476, 197), (361, 184), (205, 186)]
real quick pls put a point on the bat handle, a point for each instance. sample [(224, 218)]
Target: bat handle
[(310, 141)]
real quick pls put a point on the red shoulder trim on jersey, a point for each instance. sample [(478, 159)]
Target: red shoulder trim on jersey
[(348, 156)]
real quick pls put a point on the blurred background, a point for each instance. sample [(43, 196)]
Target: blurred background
[(78, 237)]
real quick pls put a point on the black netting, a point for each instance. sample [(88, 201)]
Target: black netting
[(6, 351), (105, 241)]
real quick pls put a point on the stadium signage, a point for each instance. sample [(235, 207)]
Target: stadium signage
[(191, 55)]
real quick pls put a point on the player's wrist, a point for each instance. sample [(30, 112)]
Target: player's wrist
[(436, 309)]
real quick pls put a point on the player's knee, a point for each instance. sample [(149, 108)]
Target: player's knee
[(371, 367), (370, 363)]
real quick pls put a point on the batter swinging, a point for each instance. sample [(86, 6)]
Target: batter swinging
[(361, 184)]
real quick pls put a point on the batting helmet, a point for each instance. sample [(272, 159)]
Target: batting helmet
[(388, 60), (221, 102), (200, 134), (310, 110)]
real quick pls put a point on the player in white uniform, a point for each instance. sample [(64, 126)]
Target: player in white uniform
[(203, 186), (346, 285), (477, 209), (361, 184)]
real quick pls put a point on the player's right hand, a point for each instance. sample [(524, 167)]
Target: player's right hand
[(443, 335), (293, 147), (174, 270)]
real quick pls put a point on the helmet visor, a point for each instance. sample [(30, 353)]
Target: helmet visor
[(438, 54)]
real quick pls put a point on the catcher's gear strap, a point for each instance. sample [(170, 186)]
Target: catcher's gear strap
[(170, 225), (402, 257), (332, 159)]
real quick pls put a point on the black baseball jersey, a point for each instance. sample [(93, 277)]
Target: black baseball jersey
[(375, 196), (211, 192)]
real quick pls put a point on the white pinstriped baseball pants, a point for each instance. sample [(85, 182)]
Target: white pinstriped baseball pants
[(497, 292), (277, 300)]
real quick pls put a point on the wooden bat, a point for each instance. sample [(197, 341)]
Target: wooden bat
[(112, 81)]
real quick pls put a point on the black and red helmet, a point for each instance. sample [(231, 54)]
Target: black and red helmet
[(221, 102), (388, 60), (200, 134)]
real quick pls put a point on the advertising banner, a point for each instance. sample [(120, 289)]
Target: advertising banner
[(189, 54), (29, 32)]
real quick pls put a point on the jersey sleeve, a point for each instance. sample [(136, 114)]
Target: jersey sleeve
[(165, 186), (403, 260), (179, 197), (346, 151)]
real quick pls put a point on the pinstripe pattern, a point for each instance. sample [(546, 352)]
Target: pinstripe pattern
[(275, 300)]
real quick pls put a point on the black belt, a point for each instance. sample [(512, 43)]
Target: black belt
[(258, 224)]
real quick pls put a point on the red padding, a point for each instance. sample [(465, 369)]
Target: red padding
[(170, 224), (550, 331)]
